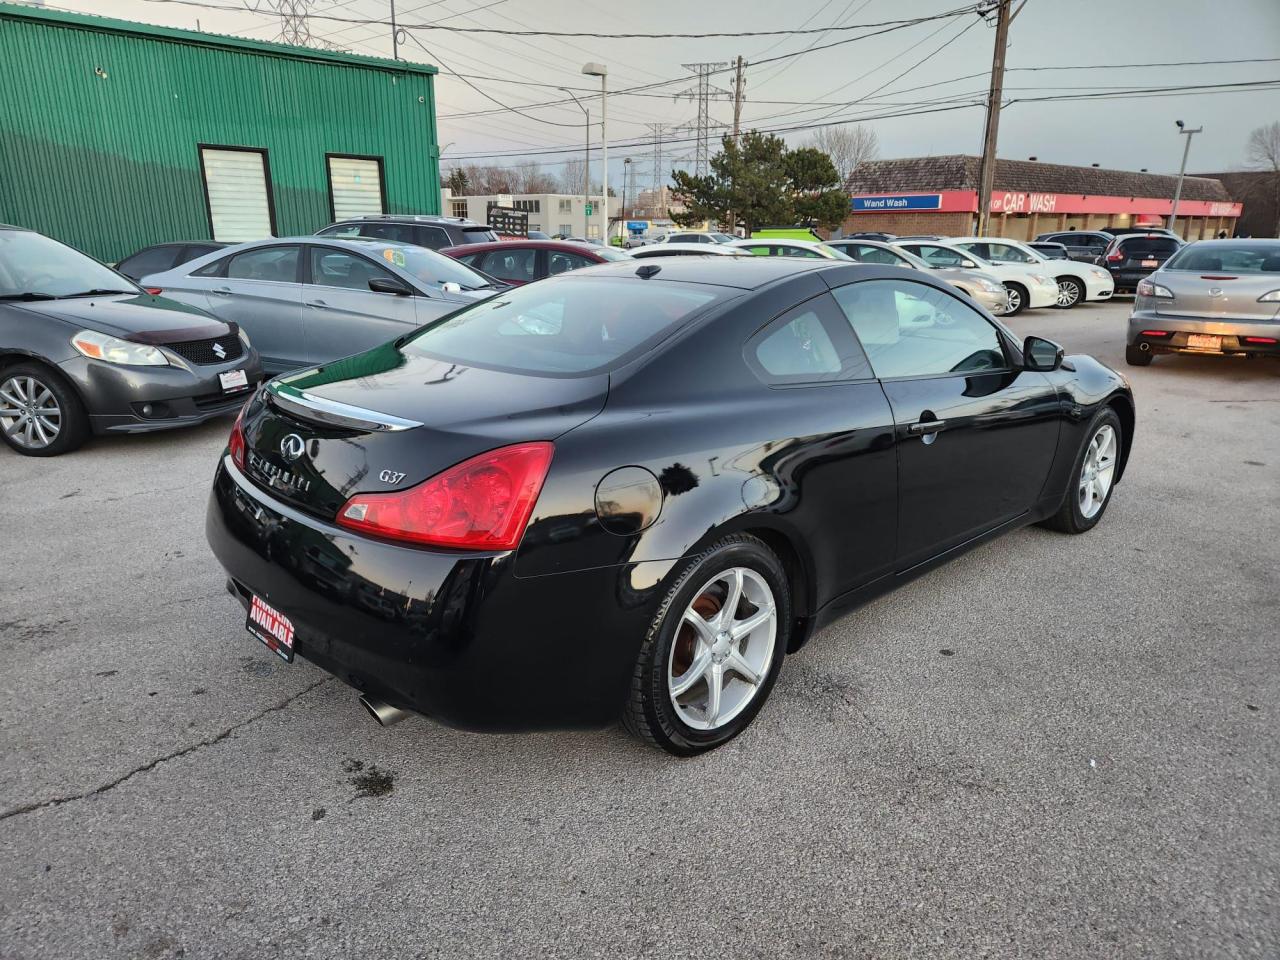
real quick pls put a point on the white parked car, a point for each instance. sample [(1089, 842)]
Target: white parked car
[(1076, 280), (1027, 286), (695, 236), (688, 250), (810, 249)]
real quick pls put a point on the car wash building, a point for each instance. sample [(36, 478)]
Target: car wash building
[(116, 135), (939, 195)]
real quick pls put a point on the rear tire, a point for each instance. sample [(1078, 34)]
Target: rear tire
[(1097, 461), (1017, 299), (1137, 357), (695, 640), (40, 415), (1070, 292)]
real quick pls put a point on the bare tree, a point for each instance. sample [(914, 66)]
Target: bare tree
[(848, 147), (531, 178), (1263, 152), (573, 176)]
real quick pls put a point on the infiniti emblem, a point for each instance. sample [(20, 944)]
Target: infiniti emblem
[(220, 351), (292, 447), (1215, 291)]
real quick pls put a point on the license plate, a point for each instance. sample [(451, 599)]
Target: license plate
[(1151, 263), (271, 627), (1204, 341), (233, 380)]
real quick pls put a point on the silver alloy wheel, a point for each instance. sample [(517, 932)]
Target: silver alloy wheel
[(1068, 293), (1097, 471), (723, 648), (1014, 299), (29, 413)]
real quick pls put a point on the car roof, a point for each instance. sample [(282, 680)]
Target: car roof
[(564, 246), (745, 273), (704, 249)]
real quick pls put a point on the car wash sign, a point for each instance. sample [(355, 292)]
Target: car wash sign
[(892, 202)]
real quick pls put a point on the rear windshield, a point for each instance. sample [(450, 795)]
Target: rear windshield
[(478, 235), (1242, 258), (1148, 246), (563, 326)]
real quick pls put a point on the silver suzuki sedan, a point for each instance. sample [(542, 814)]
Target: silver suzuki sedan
[(1211, 297), (309, 300)]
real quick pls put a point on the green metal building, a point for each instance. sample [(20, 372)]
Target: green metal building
[(116, 135)]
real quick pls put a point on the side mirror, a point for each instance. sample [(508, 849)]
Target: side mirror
[(1041, 354), (390, 285), (968, 264)]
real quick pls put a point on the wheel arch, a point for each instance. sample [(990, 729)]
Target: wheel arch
[(1122, 404), (13, 357)]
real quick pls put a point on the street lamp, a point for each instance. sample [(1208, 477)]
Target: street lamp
[(601, 71), (1182, 170), (626, 171), (586, 160)]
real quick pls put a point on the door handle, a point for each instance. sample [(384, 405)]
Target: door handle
[(926, 427), (222, 291), (318, 304)]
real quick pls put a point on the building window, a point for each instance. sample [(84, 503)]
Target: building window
[(459, 208), (565, 229), (593, 231), (566, 206), (355, 186), (237, 191), (528, 206)]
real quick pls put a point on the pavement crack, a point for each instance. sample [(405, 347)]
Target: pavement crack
[(198, 745)]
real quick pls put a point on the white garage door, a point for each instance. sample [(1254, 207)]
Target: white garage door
[(239, 205), (355, 186)]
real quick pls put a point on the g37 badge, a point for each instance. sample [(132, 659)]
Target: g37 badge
[(390, 476)]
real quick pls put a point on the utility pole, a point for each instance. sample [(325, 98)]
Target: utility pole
[(1182, 170), (739, 86), (987, 171), (395, 39), (586, 161)]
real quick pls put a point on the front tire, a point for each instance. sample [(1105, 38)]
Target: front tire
[(714, 649), (1017, 299), (1069, 292), (1092, 476), (40, 415)]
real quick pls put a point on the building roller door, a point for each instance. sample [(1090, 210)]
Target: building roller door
[(355, 187), (235, 183)]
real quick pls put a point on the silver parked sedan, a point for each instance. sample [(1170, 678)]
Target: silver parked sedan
[(309, 300), (985, 288), (1212, 296)]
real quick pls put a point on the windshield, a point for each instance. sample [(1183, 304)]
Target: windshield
[(1261, 257), (611, 253), (912, 259), (562, 325), (433, 268), (35, 267)]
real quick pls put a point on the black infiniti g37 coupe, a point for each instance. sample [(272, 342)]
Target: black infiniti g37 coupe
[(85, 350), (630, 491)]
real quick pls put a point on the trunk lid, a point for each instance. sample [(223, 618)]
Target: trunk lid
[(1216, 295), (384, 420)]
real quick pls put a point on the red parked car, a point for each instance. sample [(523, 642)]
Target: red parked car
[(523, 261)]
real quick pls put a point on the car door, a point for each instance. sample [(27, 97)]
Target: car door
[(260, 289), (976, 435), (341, 315)]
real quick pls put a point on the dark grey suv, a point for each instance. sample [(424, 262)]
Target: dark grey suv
[(1086, 245), (434, 233)]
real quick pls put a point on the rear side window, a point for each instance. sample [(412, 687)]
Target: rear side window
[(279, 264), (1148, 246), (395, 232), (509, 264), (569, 326), (151, 260), (341, 230), (807, 344)]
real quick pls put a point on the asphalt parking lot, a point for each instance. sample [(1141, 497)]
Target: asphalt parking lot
[(1053, 747)]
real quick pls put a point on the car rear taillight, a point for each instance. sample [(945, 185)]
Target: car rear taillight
[(154, 291), (1154, 333), (1259, 339), (481, 504), (235, 443), (1116, 257)]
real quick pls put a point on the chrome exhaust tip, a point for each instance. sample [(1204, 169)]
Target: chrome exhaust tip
[(1144, 347), (384, 713)]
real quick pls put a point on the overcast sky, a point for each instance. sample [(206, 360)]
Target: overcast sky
[(854, 78)]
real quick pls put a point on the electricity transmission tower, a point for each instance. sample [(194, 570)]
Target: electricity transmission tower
[(659, 131), (703, 92), (294, 26)]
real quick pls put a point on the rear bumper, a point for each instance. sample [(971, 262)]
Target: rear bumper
[(1126, 281), (1234, 333), (122, 399), (452, 635)]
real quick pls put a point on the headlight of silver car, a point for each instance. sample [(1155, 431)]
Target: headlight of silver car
[(990, 285), (1271, 296), (100, 346)]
